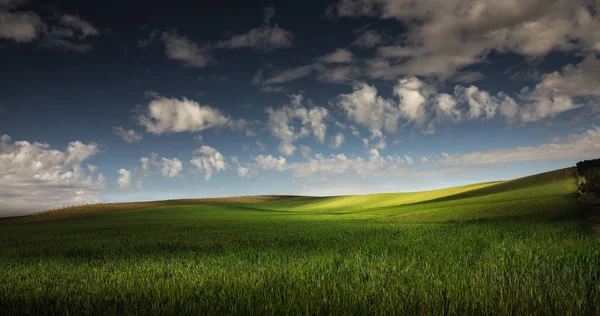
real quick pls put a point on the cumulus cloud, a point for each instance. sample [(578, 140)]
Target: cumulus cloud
[(365, 107), (146, 163), (124, 180), (184, 115), (171, 168), (270, 163), (444, 36), (413, 99), (183, 49), (480, 102), (242, 171), (35, 177), (77, 152), (420, 104), (446, 108), (167, 168), (281, 123), (129, 136), (576, 146), (209, 162), (555, 93)]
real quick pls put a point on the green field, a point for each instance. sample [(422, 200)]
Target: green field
[(512, 247)]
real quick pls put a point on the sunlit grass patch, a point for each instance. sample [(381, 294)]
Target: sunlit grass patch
[(514, 247)]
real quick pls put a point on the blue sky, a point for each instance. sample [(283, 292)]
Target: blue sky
[(130, 101)]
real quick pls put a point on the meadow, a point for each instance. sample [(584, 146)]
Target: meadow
[(502, 248)]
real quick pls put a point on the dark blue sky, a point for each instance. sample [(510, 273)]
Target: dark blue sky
[(110, 101)]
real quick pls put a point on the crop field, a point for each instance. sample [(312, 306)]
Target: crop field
[(511, 247)]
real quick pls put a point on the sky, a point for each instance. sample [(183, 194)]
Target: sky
[(107, 101)]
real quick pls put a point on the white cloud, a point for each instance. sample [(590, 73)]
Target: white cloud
[(281, 123), (21, 27), (577, 146), (124, 180), (270, 163), (171, 168), (180, 115), (185, 50), (147, 163), (337, 141), (444, 36), (77, 152), (413, 99), (339, 56), (445, 108), (366, 108), (34, 177), (555, 93), (266, 38), (242, 171), (129, 136), (210, 162), (480, 102), (92, 168), (168, 168)]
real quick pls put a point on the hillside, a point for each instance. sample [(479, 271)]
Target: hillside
[(548, 192), (503, 248)]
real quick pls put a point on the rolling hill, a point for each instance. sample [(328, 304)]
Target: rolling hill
[(509, 247)]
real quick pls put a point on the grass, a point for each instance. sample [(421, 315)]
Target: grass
[(513, 247)]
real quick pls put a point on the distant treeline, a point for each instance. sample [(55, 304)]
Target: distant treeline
[(590, 170)]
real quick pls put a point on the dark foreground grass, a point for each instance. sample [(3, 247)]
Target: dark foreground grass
[(217, 259)]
